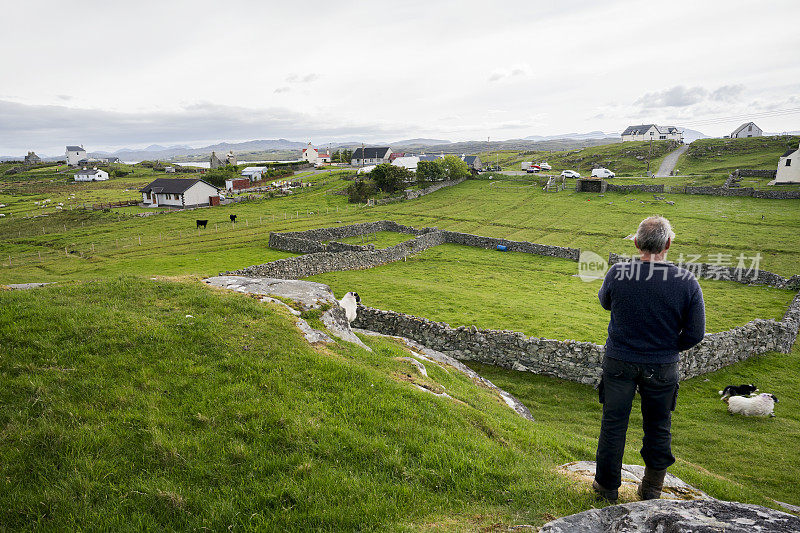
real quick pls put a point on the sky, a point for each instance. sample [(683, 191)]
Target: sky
[(120, 74)]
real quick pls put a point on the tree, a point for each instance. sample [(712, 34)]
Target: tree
[(390, 178), (360, 190), (429, 171), (454, 167)]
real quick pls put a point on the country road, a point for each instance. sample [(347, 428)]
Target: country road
[(668, 164)]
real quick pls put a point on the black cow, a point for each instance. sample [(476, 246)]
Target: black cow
[(201, 223), (233, 218)]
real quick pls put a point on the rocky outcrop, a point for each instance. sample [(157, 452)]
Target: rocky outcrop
[(661, 516)]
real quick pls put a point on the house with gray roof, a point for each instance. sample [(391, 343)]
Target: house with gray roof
[(32, 159), (91, 175), (75, 154), (648, 132), (179, 192), (473, 162), (748, 129), (371, 156)]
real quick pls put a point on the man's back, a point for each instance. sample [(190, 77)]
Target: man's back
[(656, 309)]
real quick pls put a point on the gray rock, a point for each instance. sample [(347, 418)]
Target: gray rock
[(674, 487), (662, 516)]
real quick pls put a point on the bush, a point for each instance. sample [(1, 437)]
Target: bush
[(429, 171), (454, 167), (360, 191), (120, 173), (390, 178)]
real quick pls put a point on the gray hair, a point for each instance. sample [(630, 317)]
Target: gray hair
[(653, 234)]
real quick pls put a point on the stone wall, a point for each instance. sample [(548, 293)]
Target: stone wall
[(635, 187), (753, 173), (574, 360), (467, 239), (711, 271), (413, 194)]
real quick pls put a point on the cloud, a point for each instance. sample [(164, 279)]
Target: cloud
[(678, 96), (296, 78), (64, 97), (37, 127), (727, 93), (515, 71), (282, 90)]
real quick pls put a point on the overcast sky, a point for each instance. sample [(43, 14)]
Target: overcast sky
[(127, 74)]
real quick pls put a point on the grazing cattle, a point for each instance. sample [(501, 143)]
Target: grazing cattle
[(233, 218), (201, 223)]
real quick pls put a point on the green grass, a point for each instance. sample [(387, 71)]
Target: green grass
[(723, 156), (628, 158), (539, 296), (379, 239)]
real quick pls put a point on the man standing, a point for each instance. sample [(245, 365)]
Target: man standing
[(657, 311)]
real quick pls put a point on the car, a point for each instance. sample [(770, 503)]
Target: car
[(545, 166), (570, 174), (602, 173), (532, 169)]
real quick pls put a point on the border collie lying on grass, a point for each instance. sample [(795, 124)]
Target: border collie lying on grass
[(737, 390), (761, 405), (350, 303)]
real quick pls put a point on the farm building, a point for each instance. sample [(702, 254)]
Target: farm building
[(371, 156), (254, 173), (177, 192), (789, 167), (748, 129), (473, 162), (409, 162), (75, 154), (32, 159), (648, 132), (91, 175)]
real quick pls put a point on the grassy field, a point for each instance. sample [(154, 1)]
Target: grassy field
[(119, 412), (628, 158), (723, 156), (540, 296)]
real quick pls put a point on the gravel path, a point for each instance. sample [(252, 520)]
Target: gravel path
[(669, 162)]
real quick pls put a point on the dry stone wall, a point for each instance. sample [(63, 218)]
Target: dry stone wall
[(636, 187), (574, 360), (745, 276)]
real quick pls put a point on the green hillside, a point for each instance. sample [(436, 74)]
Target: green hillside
[(628, 158), (723, 156)]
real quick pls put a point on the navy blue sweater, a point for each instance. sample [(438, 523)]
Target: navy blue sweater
[(657, 310)]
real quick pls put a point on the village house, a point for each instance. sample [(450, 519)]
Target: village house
[(789, 167), (748, 129), (473, 162), (651, 132), (179, 192), (313, 156), (371, 156), (32, 159), (407, 162), (216, 162), (91, 175), (75, 154)]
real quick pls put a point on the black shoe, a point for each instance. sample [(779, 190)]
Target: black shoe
[(652, 483), (609, 495)]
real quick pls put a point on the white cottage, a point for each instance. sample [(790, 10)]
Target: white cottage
[(254, 173), (647, 132), (91, 175), (314, 156), (408, 162), (75, 154), (178, 192), (748, 129), (789, 167)]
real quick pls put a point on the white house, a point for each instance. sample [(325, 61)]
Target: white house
[(748, 129), (177, 192), (254, 173), (408, 162), (789, 167), (647, 132), (314, 156), (75, 154), (371, 156), (91, 175)]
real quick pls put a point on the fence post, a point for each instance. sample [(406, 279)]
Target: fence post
[(140, 240), (92, 247), (66, 252), (40, 255), (246, 223), (9, 260)]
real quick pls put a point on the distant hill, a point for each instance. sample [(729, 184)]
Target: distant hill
[(591, 135), (420, 142), (693, 135), (187, 153)]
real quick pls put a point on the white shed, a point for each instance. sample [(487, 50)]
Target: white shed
[(409, 162), (177, 192), (748, 129), (91, 175), (254, 173), (789, 167), (74, 154)]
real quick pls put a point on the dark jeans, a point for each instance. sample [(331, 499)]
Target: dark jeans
[(658, 387)]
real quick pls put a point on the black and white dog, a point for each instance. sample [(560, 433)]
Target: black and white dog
[(737, 390)]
